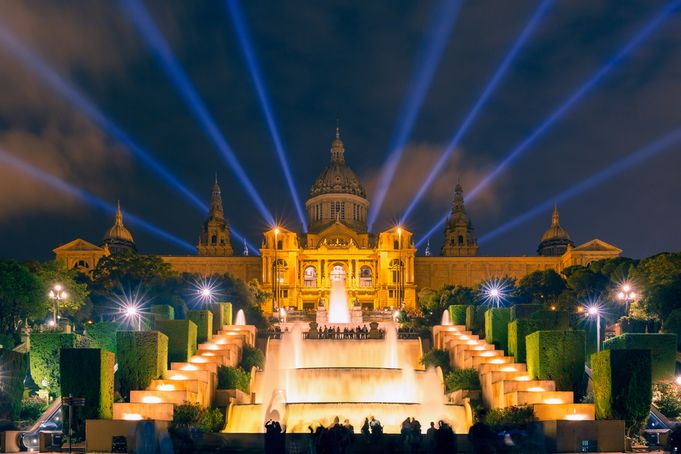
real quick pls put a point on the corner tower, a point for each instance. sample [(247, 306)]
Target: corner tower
[(555, 241), (337, 195), (459, 237), (215, 239), (118, 239)]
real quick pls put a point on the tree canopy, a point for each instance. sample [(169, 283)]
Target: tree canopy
[(23, 295)]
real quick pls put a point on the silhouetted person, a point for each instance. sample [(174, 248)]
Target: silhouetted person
[(365, 430), (415, 438), (445, 440), (481, 436), (348, 435), (405, 435), (430, 437), (274, 438)]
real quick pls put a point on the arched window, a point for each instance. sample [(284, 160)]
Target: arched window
[(396, 266), (310, 276), (337, 273), (365, 277), (214, 239), (281, 270), (460, 240), (81, 264)]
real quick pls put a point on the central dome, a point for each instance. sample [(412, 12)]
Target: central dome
[(337, 177)]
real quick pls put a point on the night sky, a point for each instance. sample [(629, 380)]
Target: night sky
[(352, 62)]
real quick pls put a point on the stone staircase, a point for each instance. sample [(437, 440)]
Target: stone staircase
[(506, 383), (194, 381)]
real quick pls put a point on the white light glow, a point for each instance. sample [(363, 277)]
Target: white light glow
[(553, 401), (151, 400), (166, 387), (132, 417)]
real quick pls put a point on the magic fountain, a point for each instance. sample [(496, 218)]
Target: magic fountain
[(311, 381)]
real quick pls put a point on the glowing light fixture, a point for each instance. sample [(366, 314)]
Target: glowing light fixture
[(151, 400), (189, 367), (523, 378), (553, 401), (179, 376), (494, 292), (166, 387), (132, 417), (536, 389)]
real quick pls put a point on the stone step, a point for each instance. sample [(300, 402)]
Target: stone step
[(204, 394), (494, 395), (529, 397), (177, 397), (506, 367), (201, 375), (138, 411), (477, 361), (575, 412), (198, 359), (211, 367)]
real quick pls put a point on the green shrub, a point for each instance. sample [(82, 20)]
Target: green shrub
[(667, 399), (457, 313), (181, 339), (44, 357), (672, 325), (462, 379), (13, 367), (638, 325), (222, 315), (558, 356), (192, 416), (623, 386), (162, 312), (436, 357), (510, 417), (475, 319), (496, 327), (204, 324), (553, 320), (524, 311), (517, 332), (31, 409), (89, 373), (252, 357), (233, 378), (7, 341), (103, 335), (142, 356), (662, 347)]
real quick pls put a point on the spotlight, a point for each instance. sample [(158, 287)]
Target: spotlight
[(494, 292), (92, 200), (249, 54), (615, 169), (440, 25), (577, 95), (479, 104), (130, 306), (164, 55), (206, 290), (85, 105)]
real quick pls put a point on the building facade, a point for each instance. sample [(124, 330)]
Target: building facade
[(380, 270)]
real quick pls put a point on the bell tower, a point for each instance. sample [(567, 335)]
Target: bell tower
[(459, 237), (215, 239)]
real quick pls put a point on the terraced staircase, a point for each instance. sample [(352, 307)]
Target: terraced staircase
[(194, 381), (506, 383)]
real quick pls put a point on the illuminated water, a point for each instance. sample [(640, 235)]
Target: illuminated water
[(338, 303), (446, 320), (240, 318)]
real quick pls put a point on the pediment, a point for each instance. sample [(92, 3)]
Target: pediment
[(597, 245), (78, 245), (338, 235)]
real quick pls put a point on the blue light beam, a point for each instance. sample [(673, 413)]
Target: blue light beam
[(90, 199), (479, 104), (440, 26), (156, 42), (243, 239), (577, 95), (246, 43), (85, 105), (645, 153)]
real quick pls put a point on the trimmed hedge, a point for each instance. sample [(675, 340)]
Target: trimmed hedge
[(496, 327), (204, 324), (233, 378), (89, 373), (222, 315), (517, 332), (103, 335), (558, 356), (475, 319), (162, 312), (553, 320), (457, 313), (524, 311), (142, 356), (457, 379), (181, 339), (639, 325), (661, 346), (13, 367), (44, 356), (623, 386)]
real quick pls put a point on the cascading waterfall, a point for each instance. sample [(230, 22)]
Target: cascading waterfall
[(338, 303)]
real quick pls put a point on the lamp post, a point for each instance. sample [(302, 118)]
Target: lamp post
[(593, 310), (56, 294), (275, 278), (626, 294), (132, 312)]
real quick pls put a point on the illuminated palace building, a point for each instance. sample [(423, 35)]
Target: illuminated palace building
[(380, 270)]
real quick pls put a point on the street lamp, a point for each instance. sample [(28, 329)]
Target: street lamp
[(626, 294), (594, 310), (494, 292), (400, 270), (56, 294), (132, 312)]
